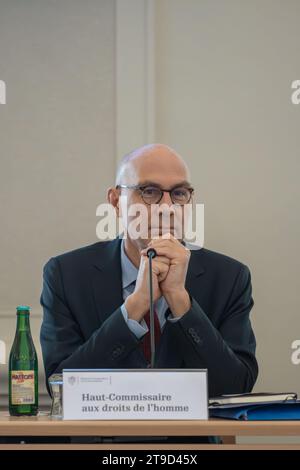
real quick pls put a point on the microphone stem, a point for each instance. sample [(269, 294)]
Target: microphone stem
[(152, 331)]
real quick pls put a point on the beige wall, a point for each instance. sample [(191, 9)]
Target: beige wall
[(57, 139), (223, 74), (212, 79)]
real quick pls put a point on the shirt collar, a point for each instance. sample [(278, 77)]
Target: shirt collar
[(129, 271)]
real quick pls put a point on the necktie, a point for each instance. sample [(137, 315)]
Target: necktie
[(146, 340)]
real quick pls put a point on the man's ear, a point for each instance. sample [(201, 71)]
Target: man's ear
[(113, 196)]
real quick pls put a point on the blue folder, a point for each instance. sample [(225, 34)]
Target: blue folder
[(258, 412)]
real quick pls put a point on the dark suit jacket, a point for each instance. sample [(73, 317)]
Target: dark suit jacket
[(83, 326)]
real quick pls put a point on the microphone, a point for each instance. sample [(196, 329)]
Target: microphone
[(151, 253)]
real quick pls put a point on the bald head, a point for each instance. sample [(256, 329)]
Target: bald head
[(151, 162)]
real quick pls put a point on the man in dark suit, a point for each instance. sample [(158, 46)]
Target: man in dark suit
[(96, 300)]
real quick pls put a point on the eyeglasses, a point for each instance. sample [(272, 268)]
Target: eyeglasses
[(180, 195)]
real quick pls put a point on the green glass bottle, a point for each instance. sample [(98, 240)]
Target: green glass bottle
[(23, 369)]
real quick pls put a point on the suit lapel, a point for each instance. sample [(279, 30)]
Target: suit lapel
[(195, 270), (107, 279)]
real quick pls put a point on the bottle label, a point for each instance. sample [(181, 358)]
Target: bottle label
[(22, 387)]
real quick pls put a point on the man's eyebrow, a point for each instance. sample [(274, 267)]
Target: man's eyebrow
[(152, 183)]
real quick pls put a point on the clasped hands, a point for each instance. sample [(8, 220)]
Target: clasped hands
[(169, 269)]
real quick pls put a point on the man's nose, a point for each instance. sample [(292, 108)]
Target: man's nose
[(166, 199)]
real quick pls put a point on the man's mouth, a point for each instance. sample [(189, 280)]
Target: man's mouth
[(162, 230)]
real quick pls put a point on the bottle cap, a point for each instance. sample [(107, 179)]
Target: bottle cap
[(23, 308)]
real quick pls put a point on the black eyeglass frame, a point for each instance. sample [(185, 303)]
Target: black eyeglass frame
[(143, 187)]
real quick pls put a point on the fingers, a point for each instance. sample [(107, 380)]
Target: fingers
[(163, 241), (161, 259), (164, 251), (161, 270), (160, 267), (169, 252), (168, 247)]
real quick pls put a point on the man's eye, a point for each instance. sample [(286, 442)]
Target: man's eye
[(150, 191), (180, 192)]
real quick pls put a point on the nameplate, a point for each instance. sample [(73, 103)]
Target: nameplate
[(133, 394)]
